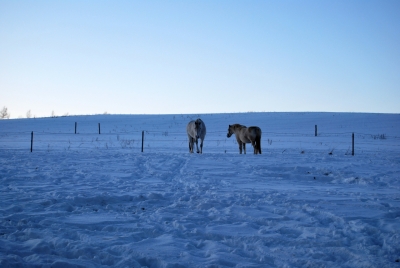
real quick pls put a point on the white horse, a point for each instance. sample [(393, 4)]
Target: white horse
[(196, 130)]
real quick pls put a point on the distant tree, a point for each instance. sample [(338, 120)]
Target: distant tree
[(4, 113), (53, 114), (28, 114)]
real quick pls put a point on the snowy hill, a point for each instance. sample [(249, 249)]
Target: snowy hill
[(93, 200)]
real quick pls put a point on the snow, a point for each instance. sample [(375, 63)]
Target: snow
[(96, 200)]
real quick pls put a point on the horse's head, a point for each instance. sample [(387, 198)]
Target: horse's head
[(230, 131), (199, 127)]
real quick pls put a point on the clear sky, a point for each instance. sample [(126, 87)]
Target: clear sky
[(208, 56)]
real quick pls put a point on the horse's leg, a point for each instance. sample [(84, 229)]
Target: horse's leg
[(191, 143), (244, 147), (259, 145), (197, 145), (240, 147), (253, 143), (201, 147)]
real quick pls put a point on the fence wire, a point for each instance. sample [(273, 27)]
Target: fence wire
[(215, 142)]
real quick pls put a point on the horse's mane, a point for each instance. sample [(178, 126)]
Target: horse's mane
[(238, 126)]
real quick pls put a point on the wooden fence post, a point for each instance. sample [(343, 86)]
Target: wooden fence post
[(316, 132), (99, 128), (75, 126), (352, 144), (142, 140), (31, 141)]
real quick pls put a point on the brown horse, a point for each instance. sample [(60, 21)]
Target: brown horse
[(246, 135)]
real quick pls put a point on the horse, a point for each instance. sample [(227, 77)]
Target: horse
[(246, 135), (196, 130)]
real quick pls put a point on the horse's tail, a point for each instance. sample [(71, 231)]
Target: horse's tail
[(258, 144), (258, 141)]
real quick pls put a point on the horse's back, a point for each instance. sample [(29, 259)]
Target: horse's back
[(190, 128), (255, 130), (249, 134), (190, 125)]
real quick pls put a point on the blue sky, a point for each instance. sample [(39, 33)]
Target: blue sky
[(163, 57)]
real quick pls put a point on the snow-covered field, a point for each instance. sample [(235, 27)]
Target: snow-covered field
[(96, 200)]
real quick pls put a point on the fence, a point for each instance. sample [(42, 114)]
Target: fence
[(215, 142)]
